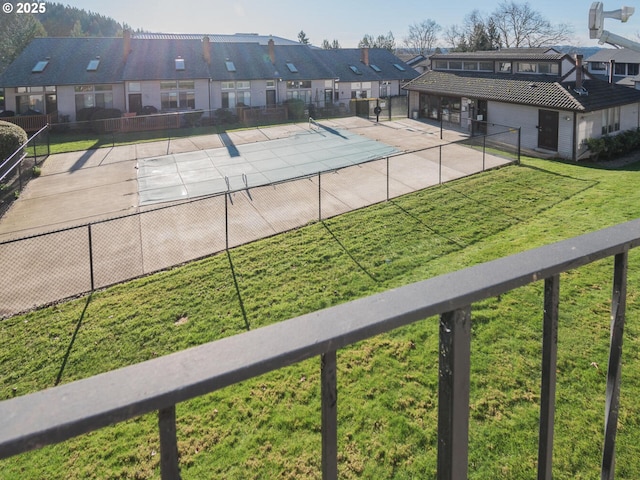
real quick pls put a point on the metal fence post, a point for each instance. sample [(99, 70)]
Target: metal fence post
[(169, 469), (91, 258), (226, 220), (387, 178), (484, 151), (440, 165), (548, 387), (519, 137), (453, 394), (319, 197), (329, 394), (612, 399)]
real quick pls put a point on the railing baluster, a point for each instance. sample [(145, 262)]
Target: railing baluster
[(612, 405), (453, 394), (169, 469), (548, 387), (329, 416)]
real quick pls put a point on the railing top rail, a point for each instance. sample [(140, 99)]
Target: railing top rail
[(59, 413)]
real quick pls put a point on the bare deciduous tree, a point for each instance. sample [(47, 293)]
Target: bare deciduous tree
[(334, 45), (520, 26), (381, 41), (422, 36)]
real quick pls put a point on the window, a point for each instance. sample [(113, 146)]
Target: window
[(375, 68), (292, 68), (399, 67), (88, 96), (236, 94), (620, 69), (299, 84), (177, 95), (93, 65), (361, 90), (471, 65), (135, 87), (455, 65), (36, 99), (299, 90), (504, 67), (40, 66), (524, 67), (441, 65), (355, 70), (230, 66), (632, 69), (544, 68), (548, 68), (179, 63), (486, 66), (610, 120), (598, 66)]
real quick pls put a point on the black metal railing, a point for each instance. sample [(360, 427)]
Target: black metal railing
[(76, 408), (21, 166)]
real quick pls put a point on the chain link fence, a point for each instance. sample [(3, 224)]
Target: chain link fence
[(50, 267)]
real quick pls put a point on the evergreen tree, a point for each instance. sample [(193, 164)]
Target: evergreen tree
[(302, 38)]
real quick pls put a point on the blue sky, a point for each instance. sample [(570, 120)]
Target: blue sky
[(345, 20)]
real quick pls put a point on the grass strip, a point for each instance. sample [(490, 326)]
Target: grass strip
[(270, 427)]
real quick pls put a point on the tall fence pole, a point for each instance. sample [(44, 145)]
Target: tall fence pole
[(91, 257), (440, 165), (484, 151), (387, 178), (226, 220), (319, 197), (519, 137)]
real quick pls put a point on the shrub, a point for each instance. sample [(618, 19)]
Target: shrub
[(295, 108), (12, 137), (98, 118), (608, 147), (222, 116)]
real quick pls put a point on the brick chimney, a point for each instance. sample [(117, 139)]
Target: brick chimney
[(126, 44), (364, 55), (206, 50), (272, 50), (579, 72)]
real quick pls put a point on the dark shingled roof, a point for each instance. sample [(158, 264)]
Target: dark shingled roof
[(531, 90), (155, 60), (61, 71), (341, 60)]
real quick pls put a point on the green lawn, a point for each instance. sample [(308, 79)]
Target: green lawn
[(270, 427)]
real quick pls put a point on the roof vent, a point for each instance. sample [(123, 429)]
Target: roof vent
[(581, 91)]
